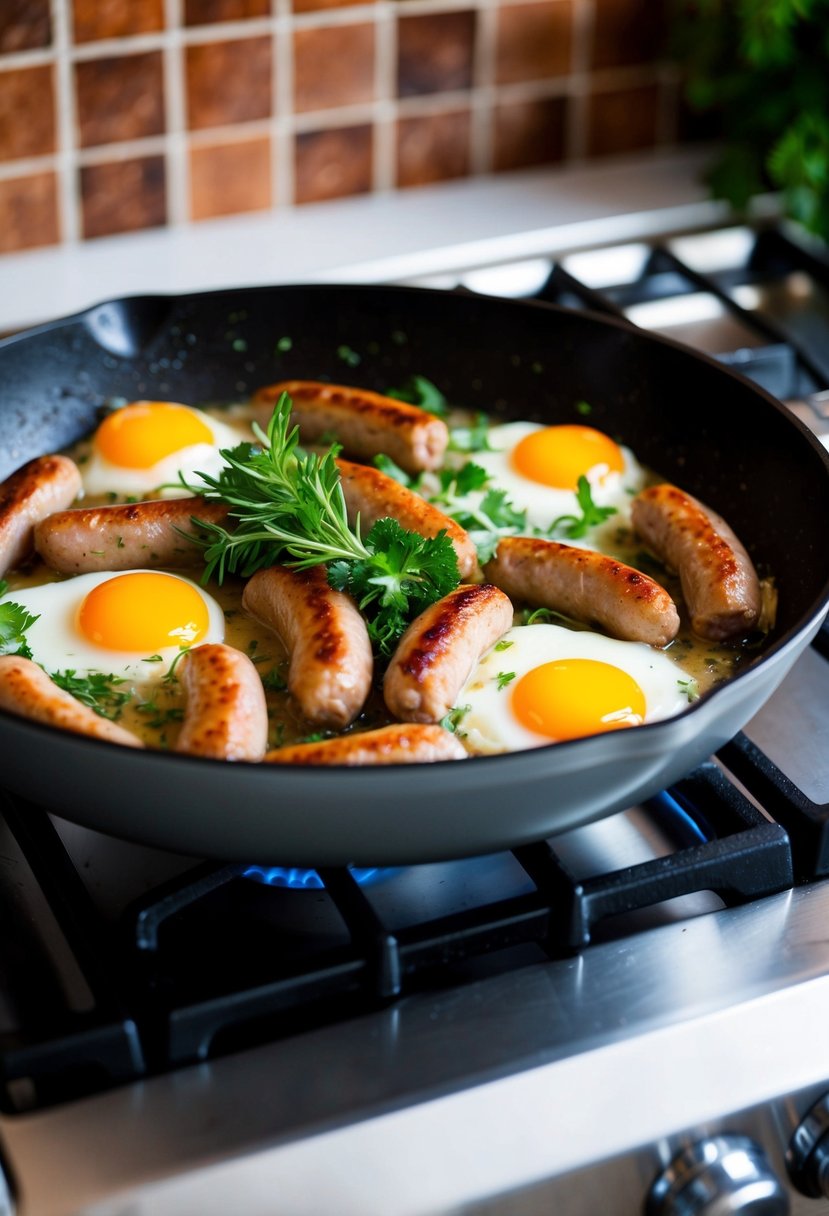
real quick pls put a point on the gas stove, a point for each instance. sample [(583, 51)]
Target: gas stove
[(629, 1018)]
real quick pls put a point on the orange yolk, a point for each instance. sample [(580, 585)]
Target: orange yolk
[(143, 612), (141, 434), (573, 697), (559, 455)]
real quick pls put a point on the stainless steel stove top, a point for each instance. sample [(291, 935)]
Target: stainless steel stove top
[(513, 1082)]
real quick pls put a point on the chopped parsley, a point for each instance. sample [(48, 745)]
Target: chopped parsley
[(386, 465), (274, 680), (493, 517), (690, 688), (503, 645), (575, 526), (453, 719), (283, 345), (584, 408), (474, 438), (97, 691), (14, 621), (349, 356), (504, 678), (419, 391)]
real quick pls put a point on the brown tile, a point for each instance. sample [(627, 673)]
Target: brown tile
[(622, 120), (308, 6), (27, 113), (28, 212), (627, 31), (119, 98), (331, 164), (226, 179), (94, 19), (533, 41), (528, 133), (228, 82), (333, 66), (205, 12), (123, 196), (435, 53), (24, 25), (432, 148)]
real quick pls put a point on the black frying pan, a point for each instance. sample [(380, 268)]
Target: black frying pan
[(684, 415)]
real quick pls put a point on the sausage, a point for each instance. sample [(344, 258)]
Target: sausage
[(44, 485), (331, 665), (439, 649), (374, 495), (365, 423), (226, 717), (26, 690), (126, 536), (585, 586), (719, 582), (401, 743)]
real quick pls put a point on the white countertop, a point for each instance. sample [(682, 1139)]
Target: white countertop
[(375, 238)]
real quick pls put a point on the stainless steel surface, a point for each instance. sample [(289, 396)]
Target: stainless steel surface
[(722, 1176), (808, 1155), (452, 1097)]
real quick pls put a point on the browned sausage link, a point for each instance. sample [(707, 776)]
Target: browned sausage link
[(719, 582), (128, 536), (439, 649), (226, 716), (40, 487), (374, 495), (26, 690), (585, 586), (402, 743), (365, 423), (331, 666)]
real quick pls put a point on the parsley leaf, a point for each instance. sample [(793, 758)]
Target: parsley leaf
[(419, 391), (14, 621), (288, 506), (690, 688), (504, 678), (386, 465), (453, 719), (95, 690), (503, 644), (574, 526), (493, 517), (474, 438)]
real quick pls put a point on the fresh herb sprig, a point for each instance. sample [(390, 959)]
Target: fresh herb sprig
[(422, 392), (575, 526), (14, 621), (288, 506)]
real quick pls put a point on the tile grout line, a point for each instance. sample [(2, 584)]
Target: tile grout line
[(385, 88), (178, 209), (68, 176), (282, 167)]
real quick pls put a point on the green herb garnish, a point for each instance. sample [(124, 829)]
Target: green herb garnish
[(386, 465), (503, 645), (474, 438), (689, 687), (417, 390), (289, 507), (504, 678), (95, 690), (493, 517), (14, 621), (584, 408), (283, 345), (349, 356), (453, 719), (574, 526), (158, 717), (274, 680)]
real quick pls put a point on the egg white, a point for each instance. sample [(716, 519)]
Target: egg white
[(56, 642), (544, 504), (490, 725), (101, 476)]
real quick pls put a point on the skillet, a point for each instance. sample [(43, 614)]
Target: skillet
[(694, 421)]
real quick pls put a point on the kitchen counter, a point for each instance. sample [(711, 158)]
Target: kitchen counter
[(380, 238)]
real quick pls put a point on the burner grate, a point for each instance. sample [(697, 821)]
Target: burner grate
[(212, 961)]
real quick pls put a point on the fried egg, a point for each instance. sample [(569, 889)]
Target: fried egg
[(147, 444), (539, 467), (131, 624), (546, 684)]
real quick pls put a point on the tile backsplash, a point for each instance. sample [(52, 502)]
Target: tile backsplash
[(118, 115)]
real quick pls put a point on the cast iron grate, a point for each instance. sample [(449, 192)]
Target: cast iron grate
[(201, 966)]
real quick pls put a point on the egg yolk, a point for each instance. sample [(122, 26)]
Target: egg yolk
[(143, 612), (569, 698), (141, 434), (559, 455)]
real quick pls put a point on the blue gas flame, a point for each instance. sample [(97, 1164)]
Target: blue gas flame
[(299, 879)]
